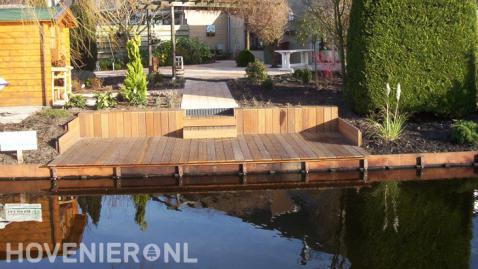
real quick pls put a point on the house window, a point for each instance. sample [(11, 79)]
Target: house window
[(211, 30)]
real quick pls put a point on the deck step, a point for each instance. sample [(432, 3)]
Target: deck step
[(200, 132), (209, 112), (210, 121)]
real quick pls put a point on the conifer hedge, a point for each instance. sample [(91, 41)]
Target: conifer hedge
[(426, 45)]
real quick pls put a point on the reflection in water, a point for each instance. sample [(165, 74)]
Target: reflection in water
[(390, 225)]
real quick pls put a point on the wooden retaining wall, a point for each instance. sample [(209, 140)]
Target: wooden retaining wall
[(110, 124), (279, 120)]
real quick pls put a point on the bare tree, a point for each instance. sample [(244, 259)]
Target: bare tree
[(333, 16), (266, 18)]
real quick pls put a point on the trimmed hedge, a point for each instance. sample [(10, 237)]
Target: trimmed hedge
[(426, 45), (244, 58), (192, 50)]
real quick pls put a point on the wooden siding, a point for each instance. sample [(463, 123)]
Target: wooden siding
[(25, 62)]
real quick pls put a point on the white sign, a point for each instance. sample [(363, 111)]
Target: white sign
[(21, 212), (14, 141), (3, 83)]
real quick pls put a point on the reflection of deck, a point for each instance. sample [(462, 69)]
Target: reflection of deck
[(157, 151)]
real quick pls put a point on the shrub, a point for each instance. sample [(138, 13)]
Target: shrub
[(192, 50), (428, 46), (390, 124), (155, 77), (244, 58), (105, 64), (94, 83), (256, 72), (105, 100), (135, 85), (78, 101), (465, 132), (298, 74), (305, 76), (55, 113), (268, 84)]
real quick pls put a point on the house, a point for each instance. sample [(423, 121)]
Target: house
[(208, 22), (35, 55)]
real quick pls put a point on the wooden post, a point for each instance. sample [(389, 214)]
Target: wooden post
[(53, 174), (179, 171), (173, 42), (117, 173), (20, 156), (363, 165), (420, 163), (305, 168), (150, 48), (243, 170)]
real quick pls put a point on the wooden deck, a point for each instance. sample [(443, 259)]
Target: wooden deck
[(172, 151)]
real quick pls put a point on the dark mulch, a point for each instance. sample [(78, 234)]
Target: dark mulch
[(423, 133), (48, 130)]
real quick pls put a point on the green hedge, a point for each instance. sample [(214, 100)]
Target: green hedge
[(192, 50), (426, 45)]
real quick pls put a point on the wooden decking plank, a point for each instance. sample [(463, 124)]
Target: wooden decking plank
[(159, 151), (300, 143), (262, 148), (168, 150), (236, 148), (220, 156), (244, 148), (185, 151), (70, 153), (78, 156), (251, 144), (100, 147), (144, 150), (125, 153), (137, 151), (278, 146), (202, 150), (321, 151), (148, 155), (177, 150), (228, 150), (292, 154), (275, 155), (211, 150), (122, 146), (194, 151)]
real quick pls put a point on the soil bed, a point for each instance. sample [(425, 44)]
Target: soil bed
[(422, 133), (48, 128)]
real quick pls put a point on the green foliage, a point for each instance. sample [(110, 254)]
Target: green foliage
[(244, 58), (155, 78), (107, 64), (91, 205), (268, 84), (305, 75), (465, 132), (428, 46), (389, 124), (105, 100), (256, 72), (78, 101), (192, 50), (94, 83), (387, 225), (55, 113), (135, 86), (140, 203)]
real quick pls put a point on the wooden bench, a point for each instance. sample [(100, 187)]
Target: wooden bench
[(18, 141)]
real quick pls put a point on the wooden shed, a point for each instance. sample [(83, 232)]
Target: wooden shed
[(35, 56)]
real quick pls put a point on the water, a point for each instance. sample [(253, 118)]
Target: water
[(388, 225)]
